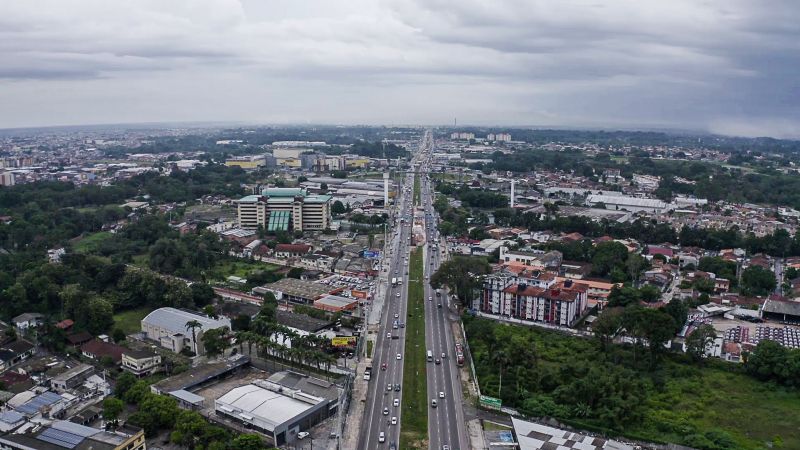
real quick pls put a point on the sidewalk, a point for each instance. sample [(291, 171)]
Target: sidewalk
[(352, 421)]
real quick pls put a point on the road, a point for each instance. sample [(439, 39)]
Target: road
[(391, 337), (446, 423)]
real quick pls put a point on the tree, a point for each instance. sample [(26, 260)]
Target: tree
[(623, 296), (100, 315), (118, 335), (295, 272), (338, 208), (649, 293), (215, 341), (757, 280), (247, 442), (679, 312), (202, 294), (699, 340), (608, 256), (607, 325), (461, 276), (125, 382), (192, 326), (112, 407)]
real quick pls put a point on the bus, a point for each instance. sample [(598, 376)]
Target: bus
[(459, 355), (430, 356)]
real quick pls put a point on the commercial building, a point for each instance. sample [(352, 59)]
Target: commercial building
[(534, 436), (63, 434), (279, 407), (295, 291), (169, 327), (336, 303), (623, 202), (249, 162), (282, 209), (72, 378)]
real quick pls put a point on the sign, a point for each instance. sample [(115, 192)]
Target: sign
[(372, 254), (358, 294), (490, 402), (343, 341)]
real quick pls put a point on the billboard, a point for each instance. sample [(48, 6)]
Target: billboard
[(490, 402), (343, 341), (358, 294), (372, 254)]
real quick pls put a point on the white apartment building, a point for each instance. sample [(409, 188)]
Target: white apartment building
[(282, 209)]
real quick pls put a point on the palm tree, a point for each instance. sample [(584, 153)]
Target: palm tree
[(192, 325), (501, 360)]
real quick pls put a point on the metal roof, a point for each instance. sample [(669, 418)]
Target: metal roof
[(35, 404), (251, 401), (628, 201), (175, 320)]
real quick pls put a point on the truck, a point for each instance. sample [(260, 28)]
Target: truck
[(399, 280), (368, 373), (394, 281), (459, 354)]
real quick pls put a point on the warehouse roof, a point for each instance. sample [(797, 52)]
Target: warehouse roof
[(175, 320), (251, 401), (628, 201), (299, 288)]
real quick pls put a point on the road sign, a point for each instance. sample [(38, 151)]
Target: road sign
[(490, 402)]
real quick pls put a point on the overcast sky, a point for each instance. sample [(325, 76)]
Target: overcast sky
[(725, 66)]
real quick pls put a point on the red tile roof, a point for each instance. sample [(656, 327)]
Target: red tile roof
[(100, 349)]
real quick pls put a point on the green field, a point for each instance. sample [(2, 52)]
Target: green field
[(713, 405), (241, 268), (130, 321), (416, 190), (91, 242), (415, 389)]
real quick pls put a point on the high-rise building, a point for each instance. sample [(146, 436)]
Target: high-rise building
[(282, 209), (7, 179)]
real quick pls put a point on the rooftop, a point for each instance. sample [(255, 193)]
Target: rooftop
[(299, 288), (175, 320)]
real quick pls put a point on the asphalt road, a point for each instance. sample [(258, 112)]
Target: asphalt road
[(446, 423), (386, 348)]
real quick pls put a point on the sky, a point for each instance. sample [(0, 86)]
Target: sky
[(722, 66)]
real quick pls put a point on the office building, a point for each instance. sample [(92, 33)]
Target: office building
[(282, 209)]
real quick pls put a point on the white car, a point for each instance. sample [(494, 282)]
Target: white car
[(441, 394), (399, 356), (396, 316), (385, 411), (396, 402), (382, 437), (302, 435), (389, 387), (394, 420), (397, 295)]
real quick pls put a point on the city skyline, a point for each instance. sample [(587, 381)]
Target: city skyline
[(720, 67)]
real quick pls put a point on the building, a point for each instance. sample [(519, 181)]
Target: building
[(282, 209), (275, 410), (201, 375), (141, 362), (336, 303), (291, 250), (63, 434), (646, 182), (295, 291), (97, 349), (7, 179), (464, 136), (72, 378), (534, 436), (168, 326), (561, 304), (781, 311), (249, 162), (627, 203), (27, 320)]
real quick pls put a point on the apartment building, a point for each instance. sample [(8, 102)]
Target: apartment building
[(561, 304), (282, 209)]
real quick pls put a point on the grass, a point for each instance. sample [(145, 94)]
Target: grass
[(370, 344), (130, 321), (417, 194), (713, 405), (414, 433), (242, 268), (91, 242), (494, 426)]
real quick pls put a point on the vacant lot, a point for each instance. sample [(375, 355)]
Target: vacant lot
[(91, 242), (130, 321)]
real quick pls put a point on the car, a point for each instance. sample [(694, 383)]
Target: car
[(441, 394), (430, 299), (438, 361), (389, 335), (302, 435), (399, 356), (438, 305), (396, 316), (433, 403), (394, 420), (445, 447), (389, 387), (382, 437), (396, 402), (444, 355), (392, 446), (397, 387), (385, 411), (397, 295), (383, 366)]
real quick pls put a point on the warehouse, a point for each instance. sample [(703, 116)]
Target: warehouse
[(295, 291), (274, 410), (170, 327), (626, 203)]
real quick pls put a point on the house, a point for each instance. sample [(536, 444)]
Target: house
[(15, 352), (141, 362), (27, 320), (78, 339), (71, 378), (65, 324), (291, 250), (97, 349)]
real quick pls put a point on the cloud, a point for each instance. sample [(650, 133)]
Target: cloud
[(683, 63)]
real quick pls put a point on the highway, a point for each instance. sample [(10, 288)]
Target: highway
[(446, 424), (386, 368)]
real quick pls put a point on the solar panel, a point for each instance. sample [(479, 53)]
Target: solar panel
[(60, 438)]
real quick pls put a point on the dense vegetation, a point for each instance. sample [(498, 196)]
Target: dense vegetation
[(606, 387)]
